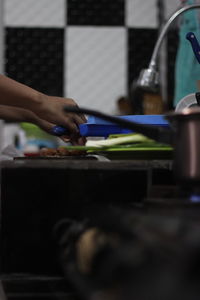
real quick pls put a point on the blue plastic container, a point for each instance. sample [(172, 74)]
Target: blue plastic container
[(98, 127)]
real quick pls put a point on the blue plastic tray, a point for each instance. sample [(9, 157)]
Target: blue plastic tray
[(99, 127)]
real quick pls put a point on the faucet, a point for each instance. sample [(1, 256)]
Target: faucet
[(148, 78)]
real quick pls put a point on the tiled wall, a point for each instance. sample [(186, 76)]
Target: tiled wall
[(90, 50)]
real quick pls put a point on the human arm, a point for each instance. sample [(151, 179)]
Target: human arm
[(16, 114), (48, 108)]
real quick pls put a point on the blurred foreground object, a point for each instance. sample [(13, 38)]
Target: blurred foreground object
[(129, 256)]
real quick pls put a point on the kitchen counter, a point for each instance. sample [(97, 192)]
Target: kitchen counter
[(74, 163), (37, 193)]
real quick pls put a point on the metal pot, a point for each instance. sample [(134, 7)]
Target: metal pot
[(186, 141)]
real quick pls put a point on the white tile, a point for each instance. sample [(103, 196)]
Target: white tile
[(39, 13), (171, 6), (141, 14), (96, 74)]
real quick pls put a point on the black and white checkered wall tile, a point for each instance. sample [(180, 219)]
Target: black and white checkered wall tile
[(141, 43), (89, 50), (35, 57), (96, 13), (172, 46)]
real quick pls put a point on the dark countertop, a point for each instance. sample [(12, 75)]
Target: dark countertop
[(84, 164)]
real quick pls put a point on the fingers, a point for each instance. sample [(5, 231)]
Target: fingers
[(52, 111), (83, 118), (44, 125), (71, 125), (80, 117), (65, 138), (78, 141), (72, 121), (74, 140)]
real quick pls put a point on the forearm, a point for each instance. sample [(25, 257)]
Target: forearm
[(16, 114), (47, 110), (13, 93)]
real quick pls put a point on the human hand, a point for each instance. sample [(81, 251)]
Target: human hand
[(50, 109), (47, 127), (25, 101)]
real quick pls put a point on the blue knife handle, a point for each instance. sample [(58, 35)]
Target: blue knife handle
[(190, 36), (59, 130)]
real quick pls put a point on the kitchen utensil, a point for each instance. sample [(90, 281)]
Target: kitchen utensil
[(99, 127), (159, 133)]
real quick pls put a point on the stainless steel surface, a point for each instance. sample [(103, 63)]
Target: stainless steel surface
[(148, 78), (187, 145)]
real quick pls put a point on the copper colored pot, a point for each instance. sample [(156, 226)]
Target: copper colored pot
[(186, 142)]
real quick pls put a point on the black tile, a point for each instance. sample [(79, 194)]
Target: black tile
[(96, 12), (172, 46), (141, 43), (34, 56)]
